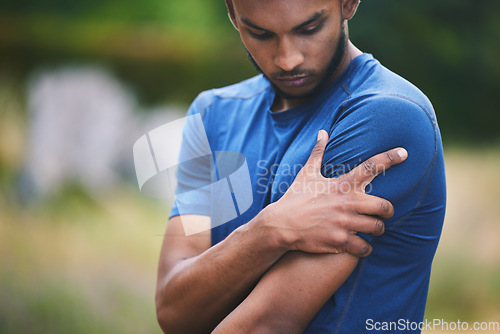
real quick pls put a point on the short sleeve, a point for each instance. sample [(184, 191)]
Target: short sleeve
[(374, 125), (195, 169)]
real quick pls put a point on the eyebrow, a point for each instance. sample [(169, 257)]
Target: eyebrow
[(310, 20)]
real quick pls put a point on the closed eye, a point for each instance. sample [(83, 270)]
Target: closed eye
[(311, 30), (261, 35)]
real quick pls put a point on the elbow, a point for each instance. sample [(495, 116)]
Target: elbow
[(166, 317), (163, 316), (163, 320), (166, 321), (173, 320)]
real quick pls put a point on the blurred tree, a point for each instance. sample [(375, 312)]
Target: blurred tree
[(449, 48), (174, 49)]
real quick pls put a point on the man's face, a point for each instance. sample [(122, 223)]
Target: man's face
[(298, 45)]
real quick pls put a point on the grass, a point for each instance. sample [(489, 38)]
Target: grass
[(76, 266), (465, 281)]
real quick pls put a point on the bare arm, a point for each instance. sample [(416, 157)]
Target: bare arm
[(199, 286), (290, 294)]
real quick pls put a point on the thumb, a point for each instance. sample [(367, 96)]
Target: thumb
[(316, 158)]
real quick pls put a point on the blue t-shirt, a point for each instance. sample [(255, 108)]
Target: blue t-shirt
[(367, 110)]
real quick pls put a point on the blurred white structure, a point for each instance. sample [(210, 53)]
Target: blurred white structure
[(83, 124)]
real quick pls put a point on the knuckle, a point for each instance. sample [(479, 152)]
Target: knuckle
[(348, 206), (369, 167), (317, 149), (344, 222), (391, 157), (337, 210), (343, 186), (340, 240)]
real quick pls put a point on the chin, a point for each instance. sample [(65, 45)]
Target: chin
[(297, 94)]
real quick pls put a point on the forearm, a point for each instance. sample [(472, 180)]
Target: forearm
[(199, 292), (290, 294)]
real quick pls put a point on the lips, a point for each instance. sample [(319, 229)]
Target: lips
[(295, 81)]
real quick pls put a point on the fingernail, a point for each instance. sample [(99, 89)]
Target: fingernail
[(365, 251), (320, 135), (402, 153)]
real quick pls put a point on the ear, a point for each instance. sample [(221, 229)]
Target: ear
[(349, 8), (230, 12)]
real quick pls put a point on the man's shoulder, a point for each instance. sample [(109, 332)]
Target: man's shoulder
[(243, 94), (246, 89), (376, 81)]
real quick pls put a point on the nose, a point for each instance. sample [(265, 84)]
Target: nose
[(288, 56)]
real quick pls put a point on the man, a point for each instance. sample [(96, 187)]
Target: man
[(295, 262)]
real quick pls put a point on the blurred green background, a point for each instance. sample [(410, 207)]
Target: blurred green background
[(80, 261)]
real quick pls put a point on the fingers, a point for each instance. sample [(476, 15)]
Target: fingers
[(375, 206), (351, 243), (357, 246), (316, 158), (368, 225), (369, 169)]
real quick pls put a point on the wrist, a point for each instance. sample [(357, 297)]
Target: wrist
[(268, 224)]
